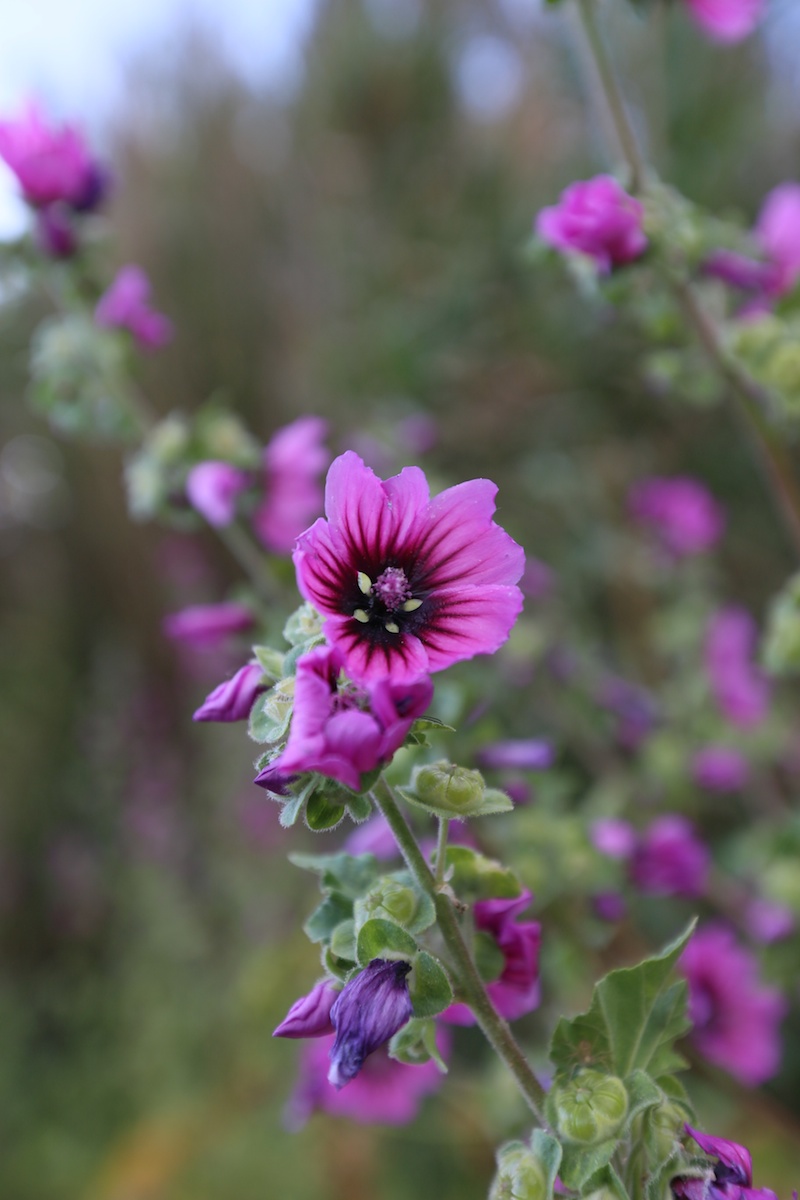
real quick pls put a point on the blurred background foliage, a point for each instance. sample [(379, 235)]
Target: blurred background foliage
[(357, 249)]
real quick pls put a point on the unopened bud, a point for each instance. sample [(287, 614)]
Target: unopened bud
[(278, 704), (519, 1175), (590, 1108), (448, 788), (389, 900)]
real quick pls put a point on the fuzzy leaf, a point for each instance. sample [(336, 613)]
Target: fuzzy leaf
[(383, 939), (475, 877), (349, 874), (321, 813), (331, 912), (429, 986)]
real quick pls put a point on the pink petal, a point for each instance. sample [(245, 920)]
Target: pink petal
[(404, 658), (463, 541), (470, 621)]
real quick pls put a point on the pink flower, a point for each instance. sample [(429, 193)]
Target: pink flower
[(680, 511), (213, 487), (720, 769), (597, 218), (310, 1016), (408, 584), (517, 754), (767, 921), (777, 232), (670, 860), (344, 733), (373, 837), (52, 164), (294, 459), (233, 699), (727, 20), (613, 837), (126, 305), (385, 1092), (516, 992), (733, 1173), (739, 687), (735, 1017), (208, 624)]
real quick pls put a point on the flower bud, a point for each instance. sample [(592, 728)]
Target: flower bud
[(519, 1175), (310, 1016), (590, 1108), (370, 1009), (449, 789), (390, 900), (278, 705), (303, 626), (233, 699)]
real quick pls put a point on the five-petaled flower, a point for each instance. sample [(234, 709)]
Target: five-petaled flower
[(408, 584)]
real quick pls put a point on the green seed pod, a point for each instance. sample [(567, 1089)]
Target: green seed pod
[(449, 789), (590, 1108), (519, 1175), (389, 900)]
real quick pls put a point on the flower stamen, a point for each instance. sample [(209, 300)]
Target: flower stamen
[(364, 583), (391, 627), (361, 615)]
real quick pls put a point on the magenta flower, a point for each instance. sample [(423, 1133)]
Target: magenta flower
[(51, 164), (213, 488), (126, 305), (739, 687), (613, 837), (634, 708), (55, 231), (232, 699), (720, 769), (294, 459), (609, 906), (727, 20), (368, 1011), (310, 1016), (767, 921), (597, 218), (208, 624), (680, 511), (736, 1018), (517, 754), (777, 232), (407, 584), (385, 1092), (373, 837), (670, 860), (516, 991), (344, 732), (733, 1173)]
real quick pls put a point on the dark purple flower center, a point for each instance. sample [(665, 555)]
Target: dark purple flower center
[(386, 606), (392, 588)]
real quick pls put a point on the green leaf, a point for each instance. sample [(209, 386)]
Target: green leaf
[(270, 661), (359, 807), (429, 986), (608, 1180), (636, 1015), (475, 877), (415, 1044), (580, 1163), (321, 814), (548, 1152), (352, 875), (642, 1094), (383, 939), (331, 912), (343, 941)]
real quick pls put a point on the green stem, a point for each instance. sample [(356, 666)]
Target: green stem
[(441, 850), (613, 95), (463, 969)]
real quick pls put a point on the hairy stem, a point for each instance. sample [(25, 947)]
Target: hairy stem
[(462, 967), (441, 850)]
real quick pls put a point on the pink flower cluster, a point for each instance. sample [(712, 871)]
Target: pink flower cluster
[(126, 305), (739, 687), (777, 234), (668, 859), (596, 218), (680, 511)]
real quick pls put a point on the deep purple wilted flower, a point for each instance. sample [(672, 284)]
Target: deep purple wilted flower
[(727, 20), (598, 218), (294, 458), (516, 991), (736, 1018), (310, 1016), (385, 1091), (740, 688), (345, 732), (670, 860), (52, 164), (720, 769), (126, 305), (367, 1012), (208, 624), (408, 584), (681, 512), (733, 1173), (232, 699)]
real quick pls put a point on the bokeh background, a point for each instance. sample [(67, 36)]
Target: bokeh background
[(334, 202)]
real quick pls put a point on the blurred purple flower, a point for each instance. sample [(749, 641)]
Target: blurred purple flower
[(613, 837), (634, 708), (720, 769), (418, 433), (609, 906), (373, 837), (294, 460), (670, 860), (213, 487), (369, 1010), (598, 218), (733, 1173), (52, 164), (516, 992), (517, 754), (767, 921), (680, 511), (208, 624), (537, 579), (55, 231), (310, 1016), (385, 1092), (777, 233), (126, 305), (736, 1018), (727, 20), (739, 687), (345, 734), (232, 699)]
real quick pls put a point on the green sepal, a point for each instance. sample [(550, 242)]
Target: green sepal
[(341, 968), (606, 1185), (303, 626), (270, 661), (428, 986), (271, 713), (636, 1015), (343, 941), (453, 792), (472, 876), (379, 938), (580, 1163), (396, 898), (349, 874), (415, 1044), (334, 909), (547, 1151), (321, 813), (359, 807)]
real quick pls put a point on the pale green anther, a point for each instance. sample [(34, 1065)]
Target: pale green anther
[(412, 605), (361, 616), (364, 583), (391, 627)]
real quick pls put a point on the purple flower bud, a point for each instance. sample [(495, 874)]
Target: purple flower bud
[(51, 163), (720, 769), (680, 511), (126, 305), (212, 488), (310, 1016), (598, 218), (207, 624), (670, 859), (367, 1012), (613, 837), (532, 754), (233, 699)]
